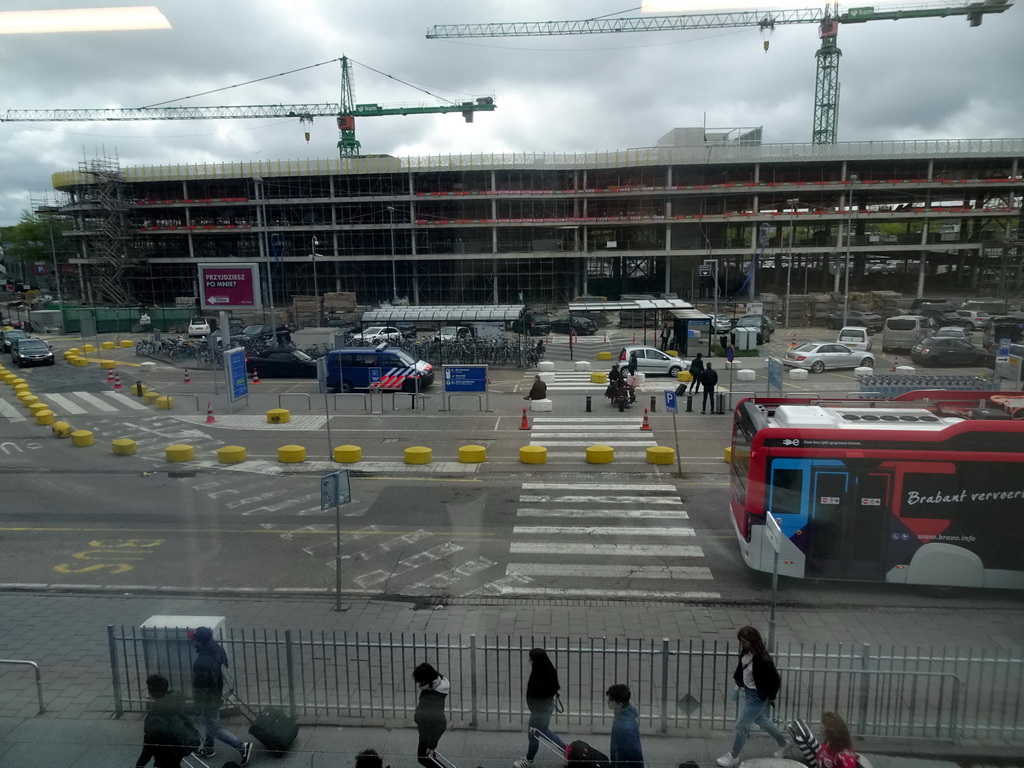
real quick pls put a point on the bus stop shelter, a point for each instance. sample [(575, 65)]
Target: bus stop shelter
[(651, 313)]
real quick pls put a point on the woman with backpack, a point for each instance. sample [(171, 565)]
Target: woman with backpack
[(430, 719), (541, 699), (757, 685)]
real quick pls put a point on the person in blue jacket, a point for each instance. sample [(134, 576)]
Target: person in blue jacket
[(625, 751)]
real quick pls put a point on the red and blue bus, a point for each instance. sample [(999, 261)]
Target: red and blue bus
[(927, 488)]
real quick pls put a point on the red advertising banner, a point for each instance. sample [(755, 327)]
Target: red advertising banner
[(229, 286)]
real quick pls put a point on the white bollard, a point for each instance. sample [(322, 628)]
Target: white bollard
[(147, 367), (582, 365), (548, 377), (863, 370), (745, 374), (542, 406), (905, 369), (798, 373), (546, 365)]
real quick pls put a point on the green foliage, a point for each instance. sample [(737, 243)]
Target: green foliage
[(29, 239)]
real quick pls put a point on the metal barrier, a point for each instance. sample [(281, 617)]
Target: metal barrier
[(186, 394), (891, 385), (893, 692), (447, 400), (417, 397), (39, 678), (309, 402), (366, 401)]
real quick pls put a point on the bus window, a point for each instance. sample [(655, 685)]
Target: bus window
[(787, 490)]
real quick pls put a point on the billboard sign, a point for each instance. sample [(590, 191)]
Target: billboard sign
[(229, 286)]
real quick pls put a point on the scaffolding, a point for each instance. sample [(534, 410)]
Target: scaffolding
[(101, 210)]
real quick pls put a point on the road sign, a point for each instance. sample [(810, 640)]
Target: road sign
[(321, 374), (730, 353), (335, 489), (375, 376), (1003, 355), (234, 367), (671, 403), (775, 373), (704, 270), (465, 378)]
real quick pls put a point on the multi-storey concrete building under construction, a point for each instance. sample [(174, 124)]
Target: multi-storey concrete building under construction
[(543, 228)]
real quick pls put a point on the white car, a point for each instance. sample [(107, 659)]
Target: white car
[(952, 332), (971, 319), (198, 326), (817, 356), (376, 334)]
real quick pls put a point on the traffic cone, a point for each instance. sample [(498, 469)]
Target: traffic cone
[(526, 421), (646, 426), (634, 337), (547, 340), (209, 414), (188, 379), (606, 337), (255, 376), (110, 376), (792, 342), (895, 363), (117, 380)]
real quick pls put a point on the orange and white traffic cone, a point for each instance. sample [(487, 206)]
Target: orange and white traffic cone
[(209, 414), (255, 376), (646, 426), (188, 379), (117, 380), (895, 363), (110, 376), (606, 337), (526, 422), (792, 342)]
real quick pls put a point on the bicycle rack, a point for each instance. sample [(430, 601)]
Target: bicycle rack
[(186, 394), (480, 400), (309, 402), (366, 402), (417, 397), (39, 678)]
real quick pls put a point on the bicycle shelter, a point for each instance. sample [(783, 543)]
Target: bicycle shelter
[(651, 313)]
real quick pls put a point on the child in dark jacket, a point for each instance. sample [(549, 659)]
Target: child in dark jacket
[(624, 751), (429, 717)]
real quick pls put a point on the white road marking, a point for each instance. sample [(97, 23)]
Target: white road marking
[(650, 487), (604, 550), (529, 499), (613, 512), (595, 441), (503, 590), (117, 397), (10, 413), (66, 404), (610, 571), (95, 401), (611, 530)]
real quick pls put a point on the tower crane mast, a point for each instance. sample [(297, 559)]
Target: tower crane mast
[(346, 112), (826, 86)]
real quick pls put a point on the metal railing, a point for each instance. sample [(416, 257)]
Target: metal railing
[(677, 684), (39, 678)]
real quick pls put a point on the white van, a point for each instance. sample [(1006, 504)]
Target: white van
[(902, 332), (855, 337)]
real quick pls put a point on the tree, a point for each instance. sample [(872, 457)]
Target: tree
[(29, 240)]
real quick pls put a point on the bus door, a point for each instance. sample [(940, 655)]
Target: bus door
[(847, 533)]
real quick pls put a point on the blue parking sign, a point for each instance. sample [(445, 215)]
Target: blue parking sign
[(671, 402)]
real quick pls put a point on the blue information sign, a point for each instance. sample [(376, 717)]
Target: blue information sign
[(775, 373), (671, 403), (375, 376), (238, 381), (465, 378)]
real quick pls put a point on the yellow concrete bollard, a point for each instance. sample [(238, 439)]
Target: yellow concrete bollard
[(533, 454), (728, 455), (278, 416), (231, 454), (36, 407), (81, 362), (164, 403), (124, 447), (108, 345), (21, 389), (291, 454), (598, 378), (179, 452), (671, 352), (27, 398), (134, 389), (661, 454), (16, 381), (108, 365), (81, 438), (600, 454), (472, 454), (348, 454), (150, 397), (74, 351), (417, 454), (61, 429), (684, 376), (44, 417), (127, 343), (8, 378), (605, 355), (87, 348)]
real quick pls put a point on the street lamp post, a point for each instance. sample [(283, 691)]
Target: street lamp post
[(258, 180), (394, 275), (792, 203), (849, 243), (316, 286)]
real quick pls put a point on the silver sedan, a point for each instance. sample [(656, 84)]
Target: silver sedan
[(816, 356)]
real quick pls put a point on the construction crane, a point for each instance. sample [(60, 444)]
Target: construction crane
[(346, 112), (826, 86)]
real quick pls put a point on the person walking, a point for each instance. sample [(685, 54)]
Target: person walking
[(430, 719), (208, 693), (757, 684), (696, 369), (624, 750), (539, 390), (541, 698), (836, 750), (666, 334), (166, 727), (708, 380), (632, 365)]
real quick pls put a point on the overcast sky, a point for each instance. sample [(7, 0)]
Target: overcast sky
[(916, 79)]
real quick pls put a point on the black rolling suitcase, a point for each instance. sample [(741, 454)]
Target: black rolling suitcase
[(271, 726), (549, 744), (579, 754)]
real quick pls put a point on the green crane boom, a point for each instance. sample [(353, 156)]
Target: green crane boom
[(826, 87), (346, 111)]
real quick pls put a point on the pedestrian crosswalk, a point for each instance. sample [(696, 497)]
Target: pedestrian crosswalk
[(589, 540), (579, 381), (564, 437), (77, 403)]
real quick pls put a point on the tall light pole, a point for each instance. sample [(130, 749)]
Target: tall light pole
[(394, 276), (792, 203), (316, 286), (849, 241)]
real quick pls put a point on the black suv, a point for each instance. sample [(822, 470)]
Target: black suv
[(532, 324), (764, 324), (582, 326), (263, 334)]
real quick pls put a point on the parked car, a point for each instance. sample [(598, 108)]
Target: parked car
[(29, 351), (532, 324), (869, 320), (282, 362), (904, 331), (454, 333), (949, 352), (199, 326), (971, 319), (855, 337), (764, 324), (582, 326), (952, 332), (263, 334), (817, 356), (721, 323), (378, 334), (651, 360), (8, 336), (938, 315), (351, 368)]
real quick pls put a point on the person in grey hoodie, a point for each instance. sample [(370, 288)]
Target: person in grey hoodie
[(625, 751), (429, 717), (208, 694)]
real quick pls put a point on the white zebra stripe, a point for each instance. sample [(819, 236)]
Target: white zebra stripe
[(603, 550)]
